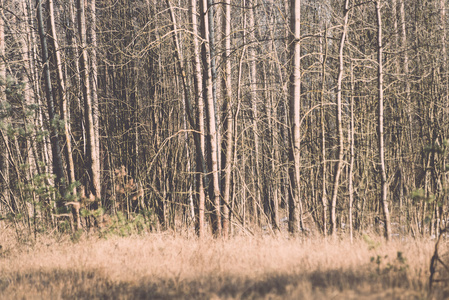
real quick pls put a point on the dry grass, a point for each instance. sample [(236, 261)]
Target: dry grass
[(158, 266)]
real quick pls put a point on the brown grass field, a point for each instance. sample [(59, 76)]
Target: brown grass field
[(168, 266)]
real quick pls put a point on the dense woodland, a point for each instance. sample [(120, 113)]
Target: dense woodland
[(315, 116)]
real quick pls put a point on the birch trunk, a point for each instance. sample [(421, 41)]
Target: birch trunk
[(383, 173), (351, 162), (294, 205)]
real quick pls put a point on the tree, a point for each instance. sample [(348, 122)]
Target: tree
[(294, 205), (55, 147), (92, 158), (4, 164), (207, 25), (380, 133), (228, 143), (62, 95), (338, 167), (200, 153)]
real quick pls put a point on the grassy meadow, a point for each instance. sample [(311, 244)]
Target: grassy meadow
[(171, 266)]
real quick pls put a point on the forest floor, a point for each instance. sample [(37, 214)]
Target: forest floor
[(169, 266)]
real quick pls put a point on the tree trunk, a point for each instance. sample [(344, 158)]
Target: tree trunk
[(254, 107), (94, 79), (64, 113), (351, 161), (228, 116), (55, 147), (294, 204), (324, 200), (62, 95), (200, 151), (380, 115), (4, 158), (208, 94), (93, 182), (339, 122)]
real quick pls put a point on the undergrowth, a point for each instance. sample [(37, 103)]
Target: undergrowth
[(126, 261)]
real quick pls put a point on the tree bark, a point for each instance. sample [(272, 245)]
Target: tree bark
[(92, 158), (62, 95), (324, 199), (200, 151), (254, 107), (228, 143), (351, 161), (380, 124), (295, 211), (94, 79), (4, 158), (339, 122), (208, 94), (55, 147)]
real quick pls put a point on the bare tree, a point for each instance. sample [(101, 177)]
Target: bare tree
[(351, 160), (339, 120), (208, 95), (62, 95), (94, 77), (4, 164), (92, 157), (228, 143), (383, 174), (295, 210), (198, 87), (324, 199), (255, 110), (55, 147)]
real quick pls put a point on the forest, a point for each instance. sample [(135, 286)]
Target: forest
[(223, 117)]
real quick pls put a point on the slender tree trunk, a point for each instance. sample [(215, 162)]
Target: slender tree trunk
[(64, 113), (4, 158), (55, 147), (271, 183), (92, 151), (323, 138), (94, 79), (339, 122), (254, 108), (62, 95), (211, 138), (27, 55), (228, 142), (445, 78), (351, 161), (443, 21), (399, 152), (294, 203), (380, 115), (407, 148), (198, 82)]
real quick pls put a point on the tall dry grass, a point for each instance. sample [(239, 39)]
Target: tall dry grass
[(163, 266)]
